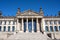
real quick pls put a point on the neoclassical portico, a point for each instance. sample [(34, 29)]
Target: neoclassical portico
[(29, 21), (31, 25)]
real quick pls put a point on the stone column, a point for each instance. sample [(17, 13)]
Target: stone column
[(18, 26), (27, 25), (53, 26), (32, 26), (49, 26), (37, 25), (22, 25)]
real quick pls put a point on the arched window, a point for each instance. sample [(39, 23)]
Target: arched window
[(46, 28), (4, 28), (8, 28), (51, 28), (0, 28), (13, 28), (59, 28), (55, 28)]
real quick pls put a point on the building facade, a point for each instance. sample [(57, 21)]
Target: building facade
[(30, 22)]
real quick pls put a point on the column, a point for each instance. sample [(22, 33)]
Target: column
[(41, 26), (17, 28), (53, 26), (37, 25), (27, 25), (22, 25), (49, 25), (32, 26)]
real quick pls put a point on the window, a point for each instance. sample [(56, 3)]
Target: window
[(50, 22), (0, 28), (4, 22), (0, 22), (55, 28), (13, 22), (13, 28), (8, 28), (4, 28), (46, 22), (51, 28), (46, 28), (9, 22), (55, 22), (59, 28), (58, 22)]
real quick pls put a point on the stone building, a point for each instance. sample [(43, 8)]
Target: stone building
[(29, 24)]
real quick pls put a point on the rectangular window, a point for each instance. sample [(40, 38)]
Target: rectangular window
[(58, 22), (0, 28), (46, 22), (55, 22), (51, 22), (4, 22), (9, 22), (13, 22), (0, 22)]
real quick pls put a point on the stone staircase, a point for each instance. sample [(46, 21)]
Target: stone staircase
[(28, 36)]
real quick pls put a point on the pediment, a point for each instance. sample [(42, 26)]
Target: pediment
[(29, 13)]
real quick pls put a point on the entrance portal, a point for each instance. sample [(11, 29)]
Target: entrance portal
[(30, 26)]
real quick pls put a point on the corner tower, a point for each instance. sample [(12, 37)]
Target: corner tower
[(18, 12), (41, 12)]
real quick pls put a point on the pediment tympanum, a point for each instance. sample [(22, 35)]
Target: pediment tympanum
[(29, 13)]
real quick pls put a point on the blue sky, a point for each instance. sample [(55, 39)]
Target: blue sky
[(9, 7)]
